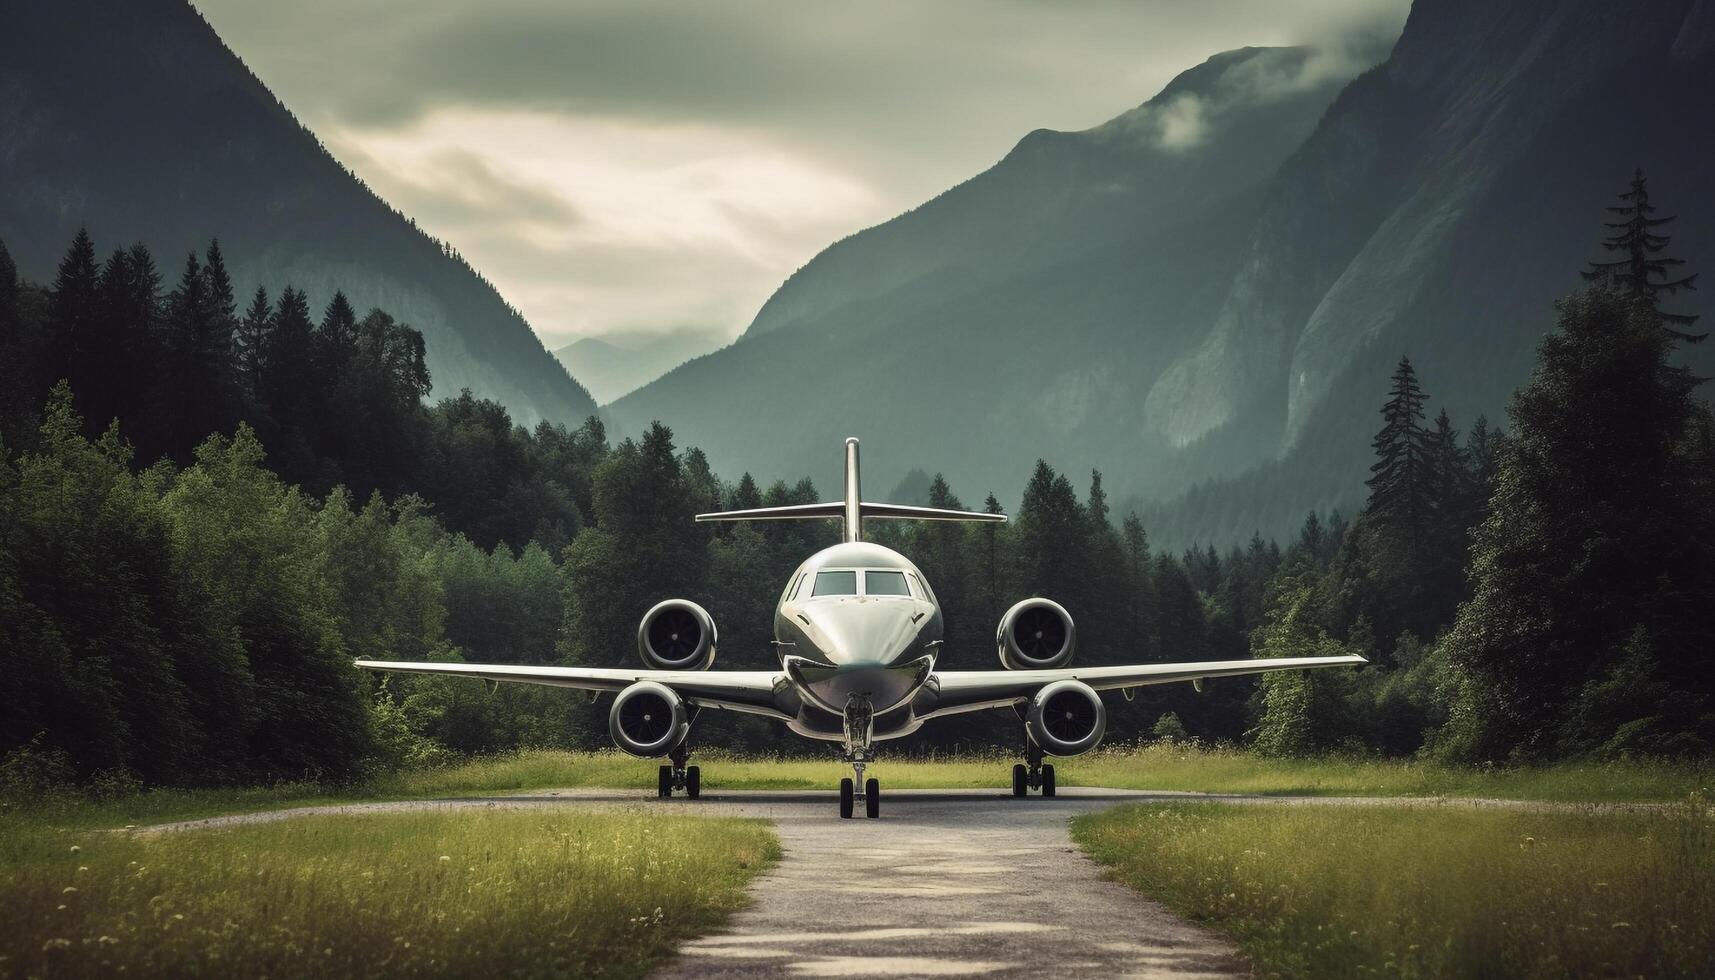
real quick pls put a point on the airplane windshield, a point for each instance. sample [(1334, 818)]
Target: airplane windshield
[(884, 583), (835, 583)]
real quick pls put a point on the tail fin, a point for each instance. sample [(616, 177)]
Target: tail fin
[(853, 509)]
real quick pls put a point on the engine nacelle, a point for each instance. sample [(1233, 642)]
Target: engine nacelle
[(677, 634), (648, 720), (1036, 634), (1067, 718)]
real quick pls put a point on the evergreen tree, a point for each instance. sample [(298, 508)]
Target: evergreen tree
[(745, 496), (1600, 546), (19, 360), (1402, 491), (251, 342), (1642, 272), (73, 305)]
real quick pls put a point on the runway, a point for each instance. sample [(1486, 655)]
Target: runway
[(946, 883)]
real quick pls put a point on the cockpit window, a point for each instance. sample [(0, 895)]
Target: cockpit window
[(877, 582), (835, 583)]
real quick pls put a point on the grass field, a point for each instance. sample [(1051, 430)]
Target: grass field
[(575, 893), (1165, 767), (1355, 891)]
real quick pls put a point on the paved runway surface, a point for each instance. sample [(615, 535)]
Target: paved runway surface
[(947, 883)]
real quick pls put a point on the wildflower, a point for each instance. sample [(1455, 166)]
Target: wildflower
[(82, 868), (76, 849), (446, 857), (69, 890)]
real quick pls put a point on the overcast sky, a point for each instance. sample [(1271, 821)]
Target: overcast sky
[(631, 166)]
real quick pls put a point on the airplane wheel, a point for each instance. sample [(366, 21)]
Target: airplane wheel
[(664, 782), (693, 781), (846, 799), (1020, 780), (872, 799), (1047, 780)]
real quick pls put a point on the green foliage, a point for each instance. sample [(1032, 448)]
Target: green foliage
[(1597, 549), (427, 894), (1168, 728), (1443, 892)]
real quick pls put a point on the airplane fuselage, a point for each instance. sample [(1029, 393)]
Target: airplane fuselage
[(857, 621)]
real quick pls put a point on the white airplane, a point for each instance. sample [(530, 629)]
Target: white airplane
[(858, 633)]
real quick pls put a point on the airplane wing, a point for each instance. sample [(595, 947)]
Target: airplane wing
[(951, 691), (749, 691)]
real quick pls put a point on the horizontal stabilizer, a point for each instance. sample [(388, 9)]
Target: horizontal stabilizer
[(836, 510)]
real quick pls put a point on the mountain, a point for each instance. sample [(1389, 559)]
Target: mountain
[(1447, 200), (136, 120), (614, 365), (1023, 313), (1205, 296)]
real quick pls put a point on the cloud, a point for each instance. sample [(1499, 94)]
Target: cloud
[(1180, 122), (649, 164)]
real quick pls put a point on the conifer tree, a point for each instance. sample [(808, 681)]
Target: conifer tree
[(72, 309), (19, 360), (1642, 272), (1402, 480), (1599, 548), (745, 496), (251, 342)]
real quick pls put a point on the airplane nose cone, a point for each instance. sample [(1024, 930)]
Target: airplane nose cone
[(863, 630)]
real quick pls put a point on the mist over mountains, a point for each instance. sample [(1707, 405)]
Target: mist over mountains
[(136, 120), (1207, 293), (614, 365)]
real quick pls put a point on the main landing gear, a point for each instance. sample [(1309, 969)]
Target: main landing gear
[(678, 775), (860, 728), (1035, 776)]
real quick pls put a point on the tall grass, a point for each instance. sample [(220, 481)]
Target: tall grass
[(1353, 891), (574, 893), (1158, 766)]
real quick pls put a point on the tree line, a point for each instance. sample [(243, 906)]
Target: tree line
[(187, 572)]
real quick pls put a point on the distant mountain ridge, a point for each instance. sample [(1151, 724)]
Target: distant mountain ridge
[(1207, 293), (135, 120), (1025, 310), (615, 365)]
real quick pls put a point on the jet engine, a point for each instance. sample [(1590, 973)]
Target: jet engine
[(677, 634), (648, 720), (1067, 718), (1036, 634)]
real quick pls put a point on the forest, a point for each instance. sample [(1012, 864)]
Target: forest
[(210, 505)]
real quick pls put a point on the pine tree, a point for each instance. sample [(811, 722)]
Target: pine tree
[(1600, 531), (251, 342), (19, 360), (288, 355), (72, 305), (1642, 273), (1402, 481), (745, 496), (338, 332)]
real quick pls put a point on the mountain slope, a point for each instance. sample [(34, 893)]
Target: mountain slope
[(1449, 197), (135, 120), (616, 365), (1022, 313), (1217, 316)]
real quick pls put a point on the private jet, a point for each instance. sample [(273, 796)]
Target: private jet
[(858, 634)]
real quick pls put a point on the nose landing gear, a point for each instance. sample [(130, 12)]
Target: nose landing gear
[(860, 729), (1037, 775)]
